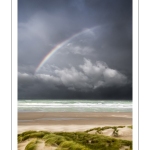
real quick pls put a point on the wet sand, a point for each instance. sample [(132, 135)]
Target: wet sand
[(71, 121)]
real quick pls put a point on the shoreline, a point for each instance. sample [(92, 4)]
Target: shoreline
[(72, 121), (74, 118), (75, 121)]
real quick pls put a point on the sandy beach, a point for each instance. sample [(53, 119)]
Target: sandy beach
[(73, 121), (74, 118)]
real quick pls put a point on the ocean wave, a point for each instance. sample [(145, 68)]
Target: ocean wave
[(75, 105)]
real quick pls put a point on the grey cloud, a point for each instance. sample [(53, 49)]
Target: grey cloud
[(112, 76), (89, 78), (38, 81), (39, 34), (80, 50), (92, 81), (79, 4), (42, 25)]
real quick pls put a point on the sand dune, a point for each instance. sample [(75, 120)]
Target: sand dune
[(75, 121)]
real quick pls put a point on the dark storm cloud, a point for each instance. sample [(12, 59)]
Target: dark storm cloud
[(37, 89), (78, 69), (88, 79)]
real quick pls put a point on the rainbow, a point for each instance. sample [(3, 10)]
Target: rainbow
[(60, 45)]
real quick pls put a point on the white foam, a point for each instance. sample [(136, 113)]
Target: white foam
[(74, 105)]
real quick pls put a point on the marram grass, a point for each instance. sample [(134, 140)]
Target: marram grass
[(100, 129), (75, 140), (31, 145), (72, 146), (130, 127), (31, 134), (96, 142)]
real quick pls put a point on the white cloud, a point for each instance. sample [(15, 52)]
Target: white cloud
[(73, 79), (89, 77), (48, 78), (114, 77), (101, 75), (94, 71)]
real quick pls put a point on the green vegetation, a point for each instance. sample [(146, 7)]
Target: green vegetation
[(100, 129), (76, 140), (115, 132), (31, 134), (72, 146), (96, 142), (53, 140), (130, 127), (31, 145)]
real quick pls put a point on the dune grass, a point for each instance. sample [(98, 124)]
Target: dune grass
[(72, 146), (31, 134), (73, 140), (130, 127), (100, 129), (31, 145), (54, 140), (76, 140), (96, 142)]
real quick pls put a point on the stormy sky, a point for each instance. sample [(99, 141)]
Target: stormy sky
[(93, 59)]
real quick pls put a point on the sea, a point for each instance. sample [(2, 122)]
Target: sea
[(74, 106)]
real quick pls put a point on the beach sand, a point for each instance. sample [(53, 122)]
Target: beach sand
[(75, 121), (72, 122)]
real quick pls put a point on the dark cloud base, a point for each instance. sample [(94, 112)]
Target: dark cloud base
[(102, 93)]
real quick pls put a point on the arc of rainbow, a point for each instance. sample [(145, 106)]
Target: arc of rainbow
[(60, 45)]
